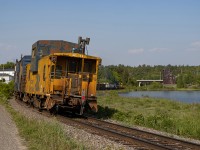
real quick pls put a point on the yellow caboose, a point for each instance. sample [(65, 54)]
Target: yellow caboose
[(58, 77)]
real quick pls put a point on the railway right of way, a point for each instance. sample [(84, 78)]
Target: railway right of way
[(132, 137), (139, 138)]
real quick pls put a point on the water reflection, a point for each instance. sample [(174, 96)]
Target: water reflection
[(183, 96)]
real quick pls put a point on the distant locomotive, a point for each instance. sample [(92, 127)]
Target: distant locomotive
[(109, 86), (58, 74)]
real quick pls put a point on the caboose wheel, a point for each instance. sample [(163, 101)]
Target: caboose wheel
[(40, 106), (31, 102), (54, 110)]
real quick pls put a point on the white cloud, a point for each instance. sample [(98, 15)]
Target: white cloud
[(136, 51), (153, 50), (158, 49), (196, 44)]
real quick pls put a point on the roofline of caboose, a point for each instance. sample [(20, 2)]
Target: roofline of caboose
[(76, 55)]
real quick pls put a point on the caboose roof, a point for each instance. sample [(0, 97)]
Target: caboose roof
[(77, 55)]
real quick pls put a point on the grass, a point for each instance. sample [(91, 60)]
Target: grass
[(39, 134), (160, 114)]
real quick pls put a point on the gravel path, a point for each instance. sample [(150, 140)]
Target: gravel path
[(9, 138), (89, 140)]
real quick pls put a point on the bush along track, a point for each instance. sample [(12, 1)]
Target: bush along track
[(37, 134), (160, 114)]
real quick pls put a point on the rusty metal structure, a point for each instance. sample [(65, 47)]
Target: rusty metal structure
[(58, 75), (168, 77)]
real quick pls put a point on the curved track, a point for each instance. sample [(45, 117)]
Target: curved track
[(148, 138)]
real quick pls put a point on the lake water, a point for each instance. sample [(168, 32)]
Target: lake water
[(182, 96)]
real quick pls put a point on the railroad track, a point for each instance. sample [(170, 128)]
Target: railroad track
[(148, 139), (131, 137)]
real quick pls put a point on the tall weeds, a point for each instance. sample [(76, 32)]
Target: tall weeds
[(160, 114)]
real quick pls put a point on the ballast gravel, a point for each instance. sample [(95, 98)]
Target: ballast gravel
[(90, 141)]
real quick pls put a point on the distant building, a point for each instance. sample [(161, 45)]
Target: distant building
[(168, 77), (109, 86), (8, 71), (6, 78), (6, 75)]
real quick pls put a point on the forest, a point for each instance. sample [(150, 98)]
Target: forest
[(185, 76)]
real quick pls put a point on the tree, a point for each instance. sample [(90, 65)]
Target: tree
[(155, 85), (180, 82), (2, 80), (8, 65)]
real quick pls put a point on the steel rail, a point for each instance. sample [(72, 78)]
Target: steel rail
[(126, 130), (117, 135)]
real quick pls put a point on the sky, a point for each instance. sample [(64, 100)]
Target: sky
[(128, 32)]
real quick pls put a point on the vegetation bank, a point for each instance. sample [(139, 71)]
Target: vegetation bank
[(160, 114)]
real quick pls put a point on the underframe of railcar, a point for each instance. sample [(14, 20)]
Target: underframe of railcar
[(56, 103)]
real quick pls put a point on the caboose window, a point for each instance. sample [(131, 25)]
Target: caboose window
[(74, 65), (89, 66), (52, 71), (58, 71)]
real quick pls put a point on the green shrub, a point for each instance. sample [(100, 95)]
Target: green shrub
[(7, 89), (139, 119), (155, 86), (121, 116)]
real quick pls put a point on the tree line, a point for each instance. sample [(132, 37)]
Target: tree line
[(128, 75), (8, 65), (185, 75)]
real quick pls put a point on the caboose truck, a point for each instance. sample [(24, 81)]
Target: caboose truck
[(61, 75)]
